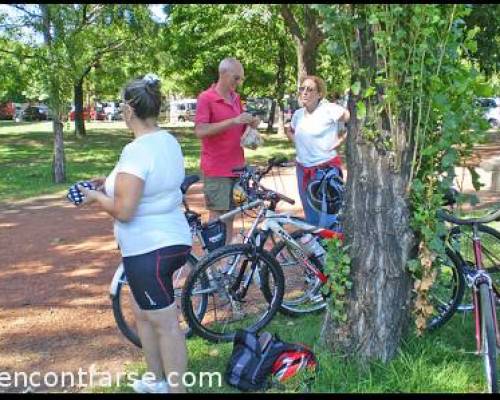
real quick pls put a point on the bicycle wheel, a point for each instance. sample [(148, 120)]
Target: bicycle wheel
[(229, 307), (122, 303), (488, 337), (490, 246), (302, 288), (447, 291)]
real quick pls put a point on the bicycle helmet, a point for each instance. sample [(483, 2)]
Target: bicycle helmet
[(290, 363), (239, 194), (330, 188)]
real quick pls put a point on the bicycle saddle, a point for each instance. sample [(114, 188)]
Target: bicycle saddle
[(188, 181)]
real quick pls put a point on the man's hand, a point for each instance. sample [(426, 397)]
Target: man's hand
[(243, 118)]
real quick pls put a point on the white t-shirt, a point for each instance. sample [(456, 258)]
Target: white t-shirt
[(159, 220), (316, 133)]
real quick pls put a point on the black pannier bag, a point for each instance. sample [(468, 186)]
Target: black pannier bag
[(250, 366), (213, 234)]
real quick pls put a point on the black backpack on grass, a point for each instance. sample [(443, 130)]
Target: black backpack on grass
[(251, 363)]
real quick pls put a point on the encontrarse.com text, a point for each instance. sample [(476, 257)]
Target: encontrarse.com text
[(92, 377)]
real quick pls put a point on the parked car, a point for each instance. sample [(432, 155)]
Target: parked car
[(46, 110), (97, 114), (182, 110), (86, 113), (491, 110), (259, 106), (7, 110), (33, 113)]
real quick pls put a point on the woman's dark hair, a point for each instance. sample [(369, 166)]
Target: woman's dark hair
[(144, 96)]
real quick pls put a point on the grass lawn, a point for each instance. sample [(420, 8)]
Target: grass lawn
[(440, 362), (26, 154)]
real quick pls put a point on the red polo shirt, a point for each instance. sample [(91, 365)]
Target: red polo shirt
[(222, 152)]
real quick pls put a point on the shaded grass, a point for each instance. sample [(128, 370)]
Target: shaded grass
[(26, 154), (439, 362)]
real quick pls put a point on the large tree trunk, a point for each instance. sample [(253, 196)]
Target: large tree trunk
[(272, 113), (78, 99), (306, 59), (281, 121), (307, 39), (58, 167), (58, 170), (377, 227), (280, 83)]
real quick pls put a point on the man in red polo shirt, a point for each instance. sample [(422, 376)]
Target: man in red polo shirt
[(220, 123)]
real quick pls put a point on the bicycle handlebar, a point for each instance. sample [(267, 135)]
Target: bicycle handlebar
[(256, 172), (279, 195), (470, 221)]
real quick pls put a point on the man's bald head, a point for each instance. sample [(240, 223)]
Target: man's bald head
[(228, 65), (231, 73)]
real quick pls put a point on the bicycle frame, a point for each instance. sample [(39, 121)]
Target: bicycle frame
[(474, 278), (274, 222)]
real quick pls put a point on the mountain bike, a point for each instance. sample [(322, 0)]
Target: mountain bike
[(484, 293), (447, 293), (210, 235), (246, 283)]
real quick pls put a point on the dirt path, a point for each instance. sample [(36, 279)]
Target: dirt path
[(56, 263)]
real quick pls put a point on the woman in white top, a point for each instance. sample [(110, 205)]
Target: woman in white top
[(143, 195), (314, 129)]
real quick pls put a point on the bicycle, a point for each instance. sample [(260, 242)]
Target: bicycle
[(231, 270), (210, 235), (483, 292), (448, 290)]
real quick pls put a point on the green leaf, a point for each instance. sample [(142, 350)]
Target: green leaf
[(370, 91), (356, 87), (360, 110), (475, 178)]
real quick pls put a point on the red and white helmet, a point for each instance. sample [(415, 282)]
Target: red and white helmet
[(289, 363)]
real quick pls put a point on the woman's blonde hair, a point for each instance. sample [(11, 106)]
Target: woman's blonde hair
[(320, 84)]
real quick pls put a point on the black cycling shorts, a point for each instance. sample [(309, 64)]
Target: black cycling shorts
[(150, 275)]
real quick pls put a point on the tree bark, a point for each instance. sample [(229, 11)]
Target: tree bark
[(281, 121), (378, 231), (306, 59), (58, 159), (307, 40), (78, 100), (280, 83), (272, 113)]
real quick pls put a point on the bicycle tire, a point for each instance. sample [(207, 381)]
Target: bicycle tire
[(490, 244), (488, 337), (123, 323), (207, 267), (446, 294), (297, 306)]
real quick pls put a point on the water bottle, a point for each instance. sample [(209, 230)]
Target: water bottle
[(312, 247)]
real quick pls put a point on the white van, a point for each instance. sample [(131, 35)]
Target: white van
[(182, 110)]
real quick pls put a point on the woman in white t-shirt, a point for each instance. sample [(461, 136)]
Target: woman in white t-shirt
[(314, 129), (143, 195)]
